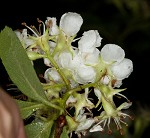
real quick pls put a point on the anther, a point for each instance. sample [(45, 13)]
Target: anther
[(49, 24), (39, 21), (121, 132), (24, 24), (131, 117), (109, 132), (30, 28)]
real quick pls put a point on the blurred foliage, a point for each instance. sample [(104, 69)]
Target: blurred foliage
[(126, 22)]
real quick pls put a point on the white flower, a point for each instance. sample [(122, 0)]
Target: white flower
[(84, 74), (89, 41), (82, 102), (90, 58), (123, 69), (112, 53), (117, 115), (52, 74), (47, 62), (71, 100), (96, 128), (105, 79), (70, 23), (86, 124), (53, 28), (65, 60), (118, 83), (23, 37)]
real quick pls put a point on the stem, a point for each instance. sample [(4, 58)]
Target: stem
[(52, 105), (59, 71), (81, 87)]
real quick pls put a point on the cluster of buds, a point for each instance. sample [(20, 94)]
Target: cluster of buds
[(77, 67)]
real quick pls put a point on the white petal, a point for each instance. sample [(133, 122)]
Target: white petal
[(123, 69), (118, 83), (53, 30), (84, 74), (23, 37), (47, 62), (98, 39), (81, 116), (97, 93), (71, 99), (96, 128), (89, 41), (85, 125), (91, 58), (65, 59), (111, 53), (77, 60), (105, 80), (51, 73), (70, 23), (124, 105)]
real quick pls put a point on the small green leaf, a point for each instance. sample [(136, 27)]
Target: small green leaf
[(27, 108), (64, 133), (39, 129), (18, 65)]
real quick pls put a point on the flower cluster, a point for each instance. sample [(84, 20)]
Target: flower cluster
[(77, 67)]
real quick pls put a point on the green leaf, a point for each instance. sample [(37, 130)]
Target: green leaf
[(27, 108), (64, 133), (39, 129), (18, 65)]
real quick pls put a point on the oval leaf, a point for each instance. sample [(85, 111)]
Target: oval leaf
[(27, 108), (18, 65), (39, 129)]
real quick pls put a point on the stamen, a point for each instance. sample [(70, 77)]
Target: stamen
[(126, 115), (123, 122), (76, 39), (35, 30), (40, 29), (108, 123), (117, 123), (30, 29), (90, 112), (109, 132), (42, 24), (121, 131), (104, 123), (100, 107), (49, 24)]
